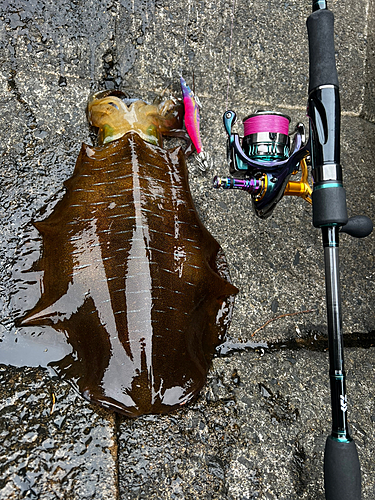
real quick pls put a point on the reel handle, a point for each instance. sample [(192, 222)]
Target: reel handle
[(250, 184)]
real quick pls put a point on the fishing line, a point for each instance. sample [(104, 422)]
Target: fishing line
[(185, 38), (266, 122), (192, 105), (230, 51), (184, 53)]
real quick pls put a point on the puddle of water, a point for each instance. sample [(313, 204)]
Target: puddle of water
[(313, 341)]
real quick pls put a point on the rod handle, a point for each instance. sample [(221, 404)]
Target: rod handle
[(321, 49), (342, 474)]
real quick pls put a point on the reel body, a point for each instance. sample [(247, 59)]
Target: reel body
[(263, 162)]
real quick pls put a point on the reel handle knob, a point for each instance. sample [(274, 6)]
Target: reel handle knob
[(358, 226)]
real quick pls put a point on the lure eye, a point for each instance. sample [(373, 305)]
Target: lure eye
[(113, 104)]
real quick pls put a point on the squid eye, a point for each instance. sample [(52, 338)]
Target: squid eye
[(113, 104)]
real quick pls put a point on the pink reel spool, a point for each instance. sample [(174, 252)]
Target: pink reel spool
[(266, 136), (266, 121)]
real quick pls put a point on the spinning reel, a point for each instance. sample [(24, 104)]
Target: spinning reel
[(268, 156)]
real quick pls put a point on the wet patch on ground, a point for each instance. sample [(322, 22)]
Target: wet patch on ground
[(53, 444), (312, 341)]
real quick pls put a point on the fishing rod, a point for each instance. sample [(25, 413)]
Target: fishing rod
[(263, 163)]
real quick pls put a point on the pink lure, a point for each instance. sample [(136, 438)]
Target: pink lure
[(191, 115)]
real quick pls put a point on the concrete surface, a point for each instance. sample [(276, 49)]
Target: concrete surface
[(258, 428), (368, 111)]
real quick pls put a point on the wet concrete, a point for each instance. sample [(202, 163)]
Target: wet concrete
[(257, 431), (259, 426), (53, 445), (368, 110)]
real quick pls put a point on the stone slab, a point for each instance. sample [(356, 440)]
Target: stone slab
[(258, 429)]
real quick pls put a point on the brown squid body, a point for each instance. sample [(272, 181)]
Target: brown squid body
[(131, 278)]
